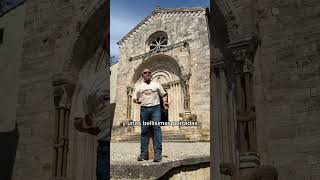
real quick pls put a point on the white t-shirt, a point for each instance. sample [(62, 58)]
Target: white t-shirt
[(95, 102), (148, 94)]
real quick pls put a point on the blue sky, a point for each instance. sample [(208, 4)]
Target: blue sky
[(126, 14)]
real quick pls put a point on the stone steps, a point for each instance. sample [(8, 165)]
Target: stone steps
[(166, 137), (128, 134)]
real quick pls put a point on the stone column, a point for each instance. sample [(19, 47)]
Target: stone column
[(175, 104), (246, 122), (62, 101), (186, 79), (248, 78), (223, 127), (170, 100), (166, 87), (129, 102), (180, 100)]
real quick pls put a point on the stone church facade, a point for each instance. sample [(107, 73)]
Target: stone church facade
[(174, 45)]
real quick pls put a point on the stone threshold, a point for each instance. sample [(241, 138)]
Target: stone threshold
[(152, 170)]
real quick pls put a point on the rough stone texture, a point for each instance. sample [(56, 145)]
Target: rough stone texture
[(125, 165), (52, 29), (181, 25), (286, 74), (287, 88), (113, 82)]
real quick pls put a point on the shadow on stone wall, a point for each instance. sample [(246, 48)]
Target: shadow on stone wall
[(9, 143)]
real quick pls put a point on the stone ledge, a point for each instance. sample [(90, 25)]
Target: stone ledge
[(150, 170)]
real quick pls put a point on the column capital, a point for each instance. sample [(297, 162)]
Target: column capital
[(62, 95), (129, 90), (186, 77), (166, 86)]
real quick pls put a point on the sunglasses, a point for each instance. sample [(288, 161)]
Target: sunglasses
[(147, 72)]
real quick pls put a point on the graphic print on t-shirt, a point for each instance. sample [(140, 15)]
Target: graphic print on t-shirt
[(148, 92)]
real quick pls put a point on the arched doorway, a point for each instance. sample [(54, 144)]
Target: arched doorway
[(166, 71), (75, 158)]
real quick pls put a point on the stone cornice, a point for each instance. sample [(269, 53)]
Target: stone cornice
[(162, 11)]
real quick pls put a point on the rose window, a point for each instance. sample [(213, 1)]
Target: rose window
[(158, 41)]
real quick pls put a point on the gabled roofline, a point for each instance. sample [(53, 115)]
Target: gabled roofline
[(159, 10)]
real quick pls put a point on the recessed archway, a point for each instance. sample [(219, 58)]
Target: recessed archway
[(80, 153), (166, 71)]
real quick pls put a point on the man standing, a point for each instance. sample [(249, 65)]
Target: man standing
[(147, 95), (93, 116)]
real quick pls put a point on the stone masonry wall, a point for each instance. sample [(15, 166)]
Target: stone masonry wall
[(50, 31), (180, 26), (287, 91)]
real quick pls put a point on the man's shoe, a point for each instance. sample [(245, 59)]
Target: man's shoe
[(157, 158), (142, 157)]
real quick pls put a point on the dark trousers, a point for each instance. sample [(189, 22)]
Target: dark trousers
[(103, 160), (148, 114)]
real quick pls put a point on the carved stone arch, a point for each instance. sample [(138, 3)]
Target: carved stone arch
[(168, 72), (162, 76), (230, 16), (155, 64), (89, 35)]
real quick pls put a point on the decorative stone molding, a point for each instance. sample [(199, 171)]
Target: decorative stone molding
[(184, 44), (81, 29), (129, 90), (249, 160), (243, 52), (157, 41), (228, 12), (64, 86), (162, 11)]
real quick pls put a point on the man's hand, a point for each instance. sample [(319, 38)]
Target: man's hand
[(166, 105), (136, 101), (165, 102), (86, 126), (93, 131), (89, 127)]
